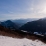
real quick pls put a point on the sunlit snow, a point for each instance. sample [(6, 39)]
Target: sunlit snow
[(9, 41)]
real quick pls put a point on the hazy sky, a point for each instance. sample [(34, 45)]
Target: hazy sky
[(15, 9)]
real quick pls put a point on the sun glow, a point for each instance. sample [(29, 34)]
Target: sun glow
[(44, 11)]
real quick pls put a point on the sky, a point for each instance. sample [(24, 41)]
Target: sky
[(16, 9)]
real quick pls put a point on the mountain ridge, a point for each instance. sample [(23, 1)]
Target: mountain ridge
[(9, 24), (35, 26)]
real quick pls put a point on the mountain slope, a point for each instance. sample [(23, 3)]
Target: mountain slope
[(21, 22), (9, 24), (20, 34), (9, 41), (35, 26)]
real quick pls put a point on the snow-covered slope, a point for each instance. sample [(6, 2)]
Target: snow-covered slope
[(9, 41)]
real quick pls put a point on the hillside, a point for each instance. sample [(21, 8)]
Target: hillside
[(9, 41), (9, 24), (35, 26), (20, 34)]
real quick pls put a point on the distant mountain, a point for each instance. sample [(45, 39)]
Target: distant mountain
[(35, 26), (15, 24), (0, 22), (9, 24), (21, 22)]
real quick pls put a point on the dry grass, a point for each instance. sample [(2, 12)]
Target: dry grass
[(16, 34)]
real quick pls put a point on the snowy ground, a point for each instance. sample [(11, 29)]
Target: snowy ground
[(9, 41)]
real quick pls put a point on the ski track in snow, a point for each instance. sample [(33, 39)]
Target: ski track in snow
[(9, 41)]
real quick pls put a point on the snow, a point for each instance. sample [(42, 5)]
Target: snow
[(9, 41), (23, 31)]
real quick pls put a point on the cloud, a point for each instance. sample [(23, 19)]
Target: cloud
[(38, 8), (13, 9)]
